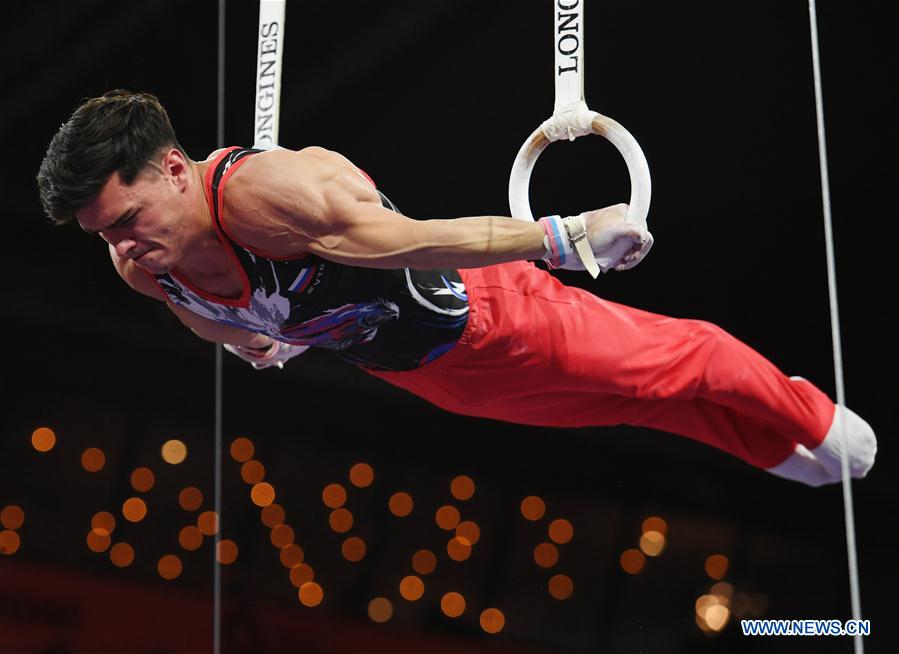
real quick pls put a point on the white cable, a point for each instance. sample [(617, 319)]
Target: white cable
[(855, 595)]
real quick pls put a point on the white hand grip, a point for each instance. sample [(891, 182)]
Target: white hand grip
[(641, 185)]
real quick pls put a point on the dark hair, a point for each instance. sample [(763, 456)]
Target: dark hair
[(118, 132)]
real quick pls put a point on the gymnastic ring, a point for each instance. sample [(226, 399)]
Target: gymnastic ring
[(614, 132)]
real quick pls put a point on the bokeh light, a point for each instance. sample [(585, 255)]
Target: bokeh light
[(242, 449), (546, 555), (424, 562), (282, 536), (400, 504), (291, 556), (97, 542), (447, 517), (43, 439), (334, 496), (380, 609), (458, 549), (452, 604), (226, 552), (134, 509), (655, 523), (208, 523), (12, 516), (469, 532), (174, 451), (362, 475), (93, 459), (273, 515), (252, 472), (492, 621), (301, 573), (262, 494), (169, 567), (632, 561), (142, 479), (716, 566), (533, 508), (121, 555), (9, 542), (560, 531), (311, 594), (103, 522), (190, 538), (652, 543), (190, 499), (412, 588), (462, 487), (341, 520), (353, 549), (561, 587)]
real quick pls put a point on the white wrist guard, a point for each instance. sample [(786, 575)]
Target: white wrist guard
[(273, 357), (568, 246)]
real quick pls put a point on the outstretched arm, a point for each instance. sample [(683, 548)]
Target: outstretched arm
[(288, 203)]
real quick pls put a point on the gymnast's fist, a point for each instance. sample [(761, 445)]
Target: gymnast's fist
[(616, 242)]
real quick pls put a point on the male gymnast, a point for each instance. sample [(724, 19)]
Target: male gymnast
[(272, 252)]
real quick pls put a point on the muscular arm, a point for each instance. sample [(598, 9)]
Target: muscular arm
[(287, 203), (206, 329)]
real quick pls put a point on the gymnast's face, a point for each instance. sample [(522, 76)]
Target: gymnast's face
[(150, 221)]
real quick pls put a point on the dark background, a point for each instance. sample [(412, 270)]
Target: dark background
[(433, 100)]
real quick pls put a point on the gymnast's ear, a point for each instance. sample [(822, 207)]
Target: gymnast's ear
[(175, 165)]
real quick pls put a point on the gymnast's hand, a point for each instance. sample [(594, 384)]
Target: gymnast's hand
[(273, 357), (616, 242)]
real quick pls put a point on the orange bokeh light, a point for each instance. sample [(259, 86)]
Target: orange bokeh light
[(282, 536), (301, 573), (458, 549), (533, 508), (262, 494), (97, 542), (226, 552), (380, 609), (424, 562), (492, 621), (400, 504), (561, 531), (655, 523), (632, 561), (546, 555), (190, 538), (334, 496), (341, 520), (462, 487), (716, 566), (412, 588), (121, 555), (273, 515), (242, 449), (43, 439), (452, 604), (561, 587), (12, 516), (447, 517), (252, 472), (134, 509), (468, 532), (190, 498), (208, 523), (311, 594), (103, 522), (291, 556), (353, 549), (9, 542), (174, 451), (362, 475), (142, 479), (169, 567), (93, 459)]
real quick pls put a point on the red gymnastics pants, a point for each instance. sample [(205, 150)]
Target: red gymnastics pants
[(538, 352)]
